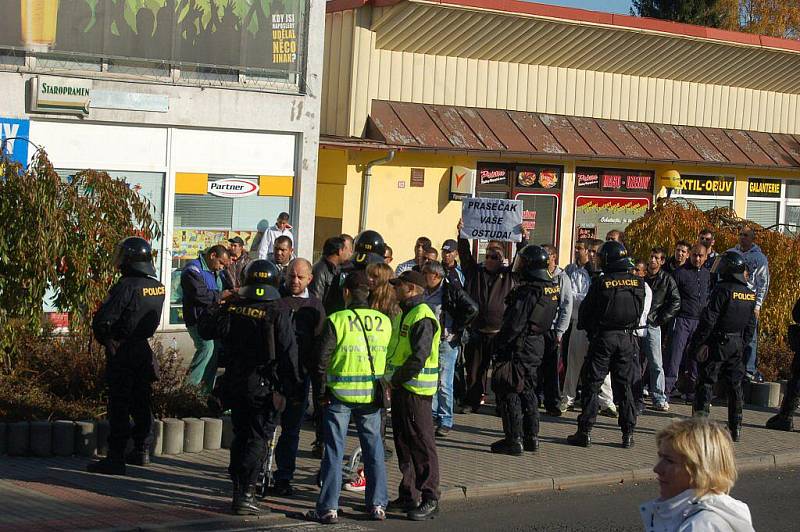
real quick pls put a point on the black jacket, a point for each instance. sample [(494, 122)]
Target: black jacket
[(324, 273), (694, 286), (130, 315), (530, 311), (614, 302), (308, 320), (666, 298), (461, 308), (258, 341), (730, 310)]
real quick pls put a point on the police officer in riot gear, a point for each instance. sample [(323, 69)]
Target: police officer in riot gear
[(123, 324), (368, 248), (726, 326), (783, 420), (261, 369), (519, 347), (613, 309)]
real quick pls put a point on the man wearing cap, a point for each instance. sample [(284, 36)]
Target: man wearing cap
[(240, 258), (412, 371), (451, 267), (281, 228)]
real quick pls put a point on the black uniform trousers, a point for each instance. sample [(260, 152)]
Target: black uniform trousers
[(478, 358), (253, 426), (724, 360), (130, 375), (415, 444), (612, 351), (547, 381), (793, 385), (520, 411)]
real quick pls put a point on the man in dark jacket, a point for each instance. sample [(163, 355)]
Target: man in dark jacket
[(239, 261), (308, 319), (261, 371), (455, 310), (666, 303), (784, 419), (679, 258), (123, 324), (531, 309), (694, 285), (334, 254), (487, 284), (203, 285)]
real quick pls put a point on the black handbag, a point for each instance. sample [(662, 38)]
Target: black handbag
[(381, 396)]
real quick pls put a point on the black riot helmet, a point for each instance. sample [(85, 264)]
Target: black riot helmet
[(135, 254), (531, 264), (368, 247), (261, 281), (613, 257), (730, 266)]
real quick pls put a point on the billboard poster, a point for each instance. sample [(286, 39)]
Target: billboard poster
[(260, 34)]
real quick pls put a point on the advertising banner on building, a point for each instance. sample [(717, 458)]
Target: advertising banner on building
[(262, 34), (14, 134), (596, 215), (492, 219)]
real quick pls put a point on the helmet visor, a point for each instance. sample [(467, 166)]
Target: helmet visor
[(716, 265)]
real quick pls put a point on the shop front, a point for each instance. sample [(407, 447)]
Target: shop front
[(708, 191), (774, 203), (609, 199)]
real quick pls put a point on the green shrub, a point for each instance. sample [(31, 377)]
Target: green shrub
[(672, 220)]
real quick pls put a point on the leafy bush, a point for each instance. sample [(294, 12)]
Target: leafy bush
[(64, 378), (672, 220)]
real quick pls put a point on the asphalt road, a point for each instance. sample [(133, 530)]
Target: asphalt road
[(772, 496)]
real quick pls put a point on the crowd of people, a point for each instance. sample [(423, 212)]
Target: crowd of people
[(427, 341)]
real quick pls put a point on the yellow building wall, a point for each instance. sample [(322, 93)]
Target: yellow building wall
[(403, 214)]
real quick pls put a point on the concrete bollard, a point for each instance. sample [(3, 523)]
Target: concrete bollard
[(41, 438), (212, 433), (3, 439), (227, 432), (18, 438), (85, 439), (63, 438), (765, 394), (157, 445), (173, 436), (103, 430), (193, 430)]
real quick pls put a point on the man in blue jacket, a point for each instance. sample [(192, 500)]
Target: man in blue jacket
[(203, 284)]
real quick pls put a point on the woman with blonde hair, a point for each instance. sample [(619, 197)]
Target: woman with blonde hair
[(696, 470), (382, 296)]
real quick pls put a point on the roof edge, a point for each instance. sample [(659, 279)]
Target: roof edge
[(612, 20)]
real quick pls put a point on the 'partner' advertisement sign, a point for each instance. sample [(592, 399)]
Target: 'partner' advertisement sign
[(492, 219)]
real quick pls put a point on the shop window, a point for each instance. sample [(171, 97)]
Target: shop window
[(792, 219), (539, 212), (202, 220), (793, 190), (708, 204), (764, 213)]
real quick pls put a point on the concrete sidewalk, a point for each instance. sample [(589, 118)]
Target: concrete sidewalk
[(192, 489)]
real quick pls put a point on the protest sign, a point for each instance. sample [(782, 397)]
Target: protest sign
[(492, 219)]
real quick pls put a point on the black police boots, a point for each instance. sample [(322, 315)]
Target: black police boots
[(244, 499), (784, 419), (530, 444), (580, 439), (113, 464), (512, 446), (627, 440), (736, 431), (139, 456)]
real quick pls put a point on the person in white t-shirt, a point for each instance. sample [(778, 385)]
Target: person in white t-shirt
[(281, 228)]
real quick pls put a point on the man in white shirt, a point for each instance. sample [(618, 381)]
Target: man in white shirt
[(281, 228)]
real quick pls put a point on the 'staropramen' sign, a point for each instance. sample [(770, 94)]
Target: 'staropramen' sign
[(492, 219), (60, 95)]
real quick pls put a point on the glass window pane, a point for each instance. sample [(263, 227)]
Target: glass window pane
[(792, 190), (792, 219), (764, 213), (595, 216), (708, 204), (539, 216)]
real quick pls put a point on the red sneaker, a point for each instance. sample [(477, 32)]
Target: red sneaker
[(359, 483)]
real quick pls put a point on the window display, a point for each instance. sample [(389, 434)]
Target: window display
[(774, 204)]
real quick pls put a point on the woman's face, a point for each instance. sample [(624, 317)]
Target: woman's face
[(673, 478)]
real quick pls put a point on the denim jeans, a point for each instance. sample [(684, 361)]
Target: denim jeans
[(442, 403), (289, 440), (368, 423), (751, 354), (203, 367), (651, 344)]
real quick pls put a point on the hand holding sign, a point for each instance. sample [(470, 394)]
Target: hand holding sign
[(491, 219)]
